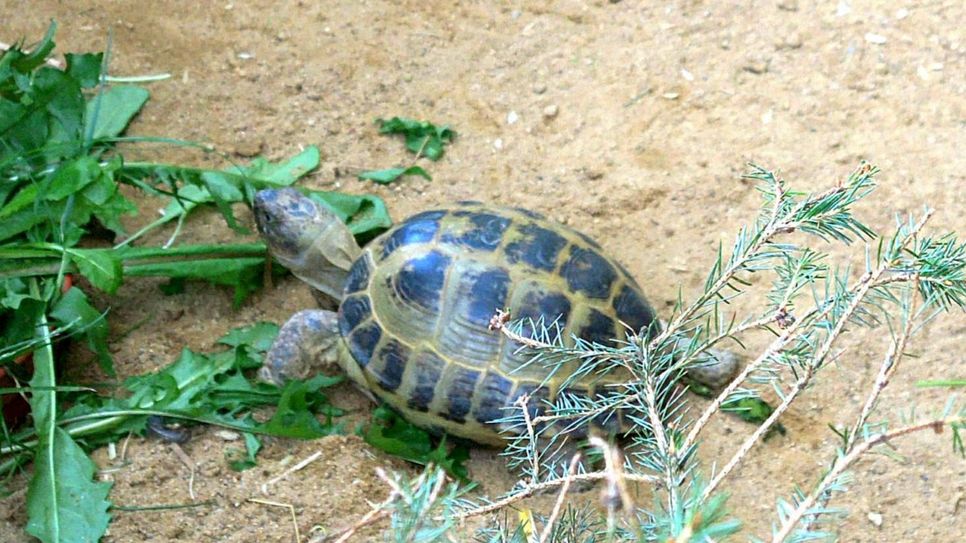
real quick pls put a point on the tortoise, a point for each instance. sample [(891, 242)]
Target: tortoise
[(415, 305)]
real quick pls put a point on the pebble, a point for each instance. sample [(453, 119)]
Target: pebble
[(756, 65), (843, 8), (788, 5), (875, 519), (791, 41), (244, 55), (688, 76), (512, 117), (550, 111), (228, 435), (539, 88), (498, 144), (670, 95), (902, 13), (877, 39)]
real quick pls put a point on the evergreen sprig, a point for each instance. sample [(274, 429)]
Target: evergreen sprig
[(907, 278)]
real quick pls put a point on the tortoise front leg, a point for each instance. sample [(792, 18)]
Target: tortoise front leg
[(307, 343)]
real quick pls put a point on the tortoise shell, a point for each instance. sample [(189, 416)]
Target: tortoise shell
[(419, 300)]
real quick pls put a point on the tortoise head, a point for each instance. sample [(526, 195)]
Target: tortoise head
[(306, 237)]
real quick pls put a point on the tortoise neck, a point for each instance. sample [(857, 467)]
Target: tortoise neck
[(326, 264)]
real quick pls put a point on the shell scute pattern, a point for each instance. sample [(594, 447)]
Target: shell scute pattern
[(484, 232), (420, 298), (359, 275), (390, 364), (588, 272), (363, 340), (459, 394), (427, 369), (420, 280), (538, 248)]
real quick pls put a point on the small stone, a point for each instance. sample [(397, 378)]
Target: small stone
[(688, 76), (922, 72), (539, 88), (843, 8), (756, 65), (875, 519), (877, 39), (512, 117), (902, 13), (936, 66), (550, 111), (768, 117), (791, 41), (245, 55), (670, 95), (498, 144), (249, 148), (788, 5), (228, 435)]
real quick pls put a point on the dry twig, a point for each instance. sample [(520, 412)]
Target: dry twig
[(548, 528), (843, 463), (290, 507)]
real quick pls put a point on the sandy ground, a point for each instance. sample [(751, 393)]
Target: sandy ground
[(629, 122)]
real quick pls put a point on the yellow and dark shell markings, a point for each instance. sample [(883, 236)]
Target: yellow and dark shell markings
[(588, 273), (354, 311), (362, 341), (536, 247), (389, 364), (420, 280), (421, 228), (426, 371), (484, 231), (494, 397), (474, 291), (631, 309), (459, 393), (359, 274), (419, 299)]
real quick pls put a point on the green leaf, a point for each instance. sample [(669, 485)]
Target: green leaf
[(385, 177), (392, 434), (197, 186), (63, 501), (294, 417), (73, 310), (71, 177), (85, 68), (422, 137), (281, 174), (753, 410), (242, 460), (26, 63), (365, 215), (258, 336), (101, 267), (108, 114)]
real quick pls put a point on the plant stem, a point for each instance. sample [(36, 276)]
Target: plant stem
[(843, 463), (869, 280)]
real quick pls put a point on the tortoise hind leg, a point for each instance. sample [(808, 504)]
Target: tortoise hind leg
[(308, 342)]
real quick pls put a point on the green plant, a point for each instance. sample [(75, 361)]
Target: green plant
[(908, 278), (61, 210)]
